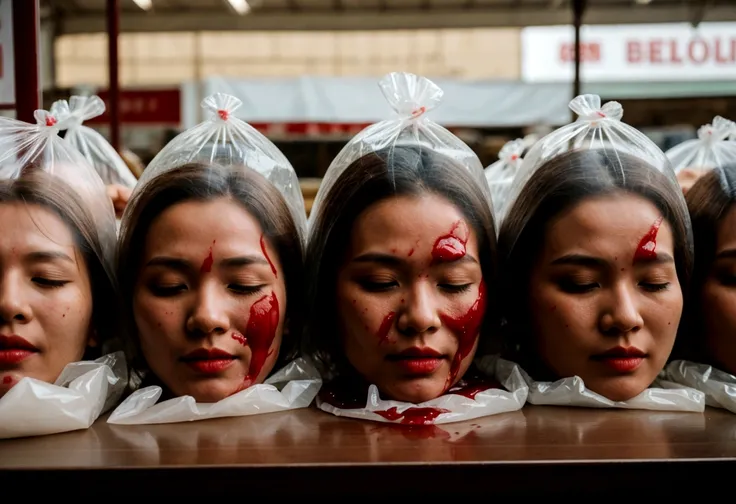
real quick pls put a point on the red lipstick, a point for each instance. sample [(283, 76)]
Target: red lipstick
[(417, 361), (622, 359), (208, 360), (14, 349)]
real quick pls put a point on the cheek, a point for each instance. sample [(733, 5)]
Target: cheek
[(154, 314), (719, 306), (361, 314), (69, 311), (552, 308)]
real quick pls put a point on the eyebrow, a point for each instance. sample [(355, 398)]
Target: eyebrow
[(230, 262), (597, 262), (239, 261), (392, 260), (49, 256), (726, 254)]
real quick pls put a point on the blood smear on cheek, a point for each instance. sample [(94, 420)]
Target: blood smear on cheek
[(263, 248), (7, 380), (385, 328), (260, 332)]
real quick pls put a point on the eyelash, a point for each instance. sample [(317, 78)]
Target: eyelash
[(50, 284), (167, 291), (386, 286), (575, 288)]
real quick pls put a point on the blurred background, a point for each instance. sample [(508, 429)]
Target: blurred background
[(307, 70)]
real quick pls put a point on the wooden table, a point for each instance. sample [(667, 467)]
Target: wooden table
[(537, 451)]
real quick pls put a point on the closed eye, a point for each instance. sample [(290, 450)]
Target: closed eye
[(455, 288), (245, 289), (577, 288), (47, 282)]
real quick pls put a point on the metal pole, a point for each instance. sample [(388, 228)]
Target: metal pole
[(113, 30), (25, 55)]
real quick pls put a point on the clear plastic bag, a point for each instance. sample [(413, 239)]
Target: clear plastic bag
[(597, 127), (292, 387), (663, 395), (412, 98), (226, 140), (718, 386), (710, 150), (462, 402), (93, 146), (36, 149), (83, 391), (500, 174)]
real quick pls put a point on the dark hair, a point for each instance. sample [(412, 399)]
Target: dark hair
[(393, 171), (558, 185), (207, 182), (37, 187), (708, 202)]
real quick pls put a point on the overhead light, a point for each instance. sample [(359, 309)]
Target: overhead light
[(240, 6), (144, 4), (643, 2)]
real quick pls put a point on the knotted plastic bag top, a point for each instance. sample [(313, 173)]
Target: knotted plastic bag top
[(93, 146), (500, 174), (712, 149), (225, 140), (37, 152), (411, 97)]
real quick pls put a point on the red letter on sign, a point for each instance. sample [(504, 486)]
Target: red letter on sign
[(633, 51)]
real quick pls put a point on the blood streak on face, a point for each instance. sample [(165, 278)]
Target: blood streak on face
[(449, 247), (385, 328), (646, 248), (261, 331), (240, 339), (263, 248), (412, 416), (466, 327), (207, 263), (7, 380)]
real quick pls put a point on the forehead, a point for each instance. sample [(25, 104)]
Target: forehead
[(189, 226), (607, 225), (32, 227), (407, 219)]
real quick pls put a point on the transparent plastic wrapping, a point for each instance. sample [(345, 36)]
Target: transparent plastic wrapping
[(663, 395), (412, 98), (500, 174), (292, 387), (93, 146), (467, 400), (226, 140), (597, 127), (37, 151), (83, 391), (710, 150), (718, 386)]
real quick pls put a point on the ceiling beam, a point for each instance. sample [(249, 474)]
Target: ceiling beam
[(390, 19)]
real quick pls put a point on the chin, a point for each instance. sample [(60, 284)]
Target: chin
[(210, 391), (416, 391), (620, 388)]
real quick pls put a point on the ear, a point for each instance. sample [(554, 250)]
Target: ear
[(93, 340)]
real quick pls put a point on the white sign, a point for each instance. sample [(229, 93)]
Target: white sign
[(7, 67), (660, 52)]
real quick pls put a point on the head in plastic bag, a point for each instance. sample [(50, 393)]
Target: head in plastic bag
[(58, 299), (401, 253), (211, 247), (711, 336), (596, 252)]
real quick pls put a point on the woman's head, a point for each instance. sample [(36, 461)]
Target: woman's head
[(402, 262), (58, 301), (712, 335), (595, 253), (208, 255)]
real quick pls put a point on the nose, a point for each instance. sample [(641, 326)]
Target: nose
[(420, 314), (208, 316), (622, 316), (14, 306)]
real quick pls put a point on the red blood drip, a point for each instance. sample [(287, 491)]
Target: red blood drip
[(345, 393), (261, 331), (466, 327), (240, 339), (412, 416), (411, 252), (449, 247), (7, 380), (50, 120), (385, 328), (414, 432), (224, 114), (207, 263), (263, 248), (470, 387), (646, 248)]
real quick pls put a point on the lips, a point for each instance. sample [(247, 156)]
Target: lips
[(620, 352), (14, 349), (208, 360), (622, 359), (417, 361)]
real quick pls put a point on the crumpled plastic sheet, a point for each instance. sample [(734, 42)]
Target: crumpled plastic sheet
[(719, 387)]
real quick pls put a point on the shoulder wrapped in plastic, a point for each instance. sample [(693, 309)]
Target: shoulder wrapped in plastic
[(663, 395), (292, 387), (711, 149), (227, 140), (597, 127), (411, 97), (719, 387), (36, 152), (454, 406), (83, 391), (93, 146), (500, 174)]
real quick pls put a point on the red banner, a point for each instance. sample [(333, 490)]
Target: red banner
[(144, 107)]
